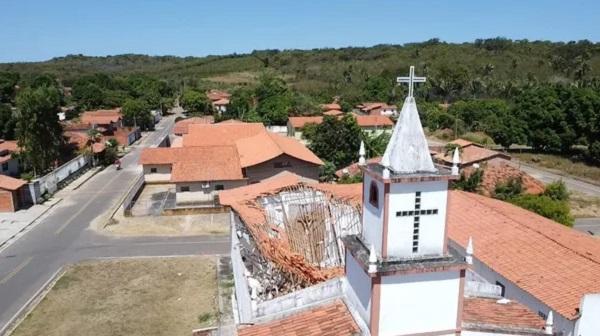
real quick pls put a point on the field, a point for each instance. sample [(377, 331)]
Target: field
[(150, 296)]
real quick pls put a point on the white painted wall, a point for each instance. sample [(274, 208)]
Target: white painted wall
[(589, 322), (360, 285), (418, 303), (483, 333), (431, 229), (372, 217)]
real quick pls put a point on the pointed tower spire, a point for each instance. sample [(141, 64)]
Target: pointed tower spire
[(408, 152), (549, 324), (361, 154), (455, 161), (469, 252)]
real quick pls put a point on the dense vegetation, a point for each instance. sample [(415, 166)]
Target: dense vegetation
[(539, 93)]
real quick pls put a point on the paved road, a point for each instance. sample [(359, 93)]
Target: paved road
[(573, 184), (588, 225), (63, 236)]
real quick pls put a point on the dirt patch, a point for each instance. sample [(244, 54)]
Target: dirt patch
[(150, 296), (584, 206), (185, 225)]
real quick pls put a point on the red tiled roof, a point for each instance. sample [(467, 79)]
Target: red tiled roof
[(498, 170), (98, 147), (9, 145), (552, 262), (217, 94), (485, 312), (11, 183), (77, 138), (470, 154), (329, 107), (191, 164), (181, 127), (462, 142), (361, 120), (354, 169), (329, 320), (254, 143), (374, 121), (101, 117), (299, 122), (333, 113), (222, 101)]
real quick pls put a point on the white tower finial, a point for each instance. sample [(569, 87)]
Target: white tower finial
[(455, 161), (549, 324), (385, 162), (361, 154), (372, 260), (469, 250)]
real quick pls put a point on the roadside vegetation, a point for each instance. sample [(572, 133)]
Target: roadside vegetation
[(150, 296), (561, 164)]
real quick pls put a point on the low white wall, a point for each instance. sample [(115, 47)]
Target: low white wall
[(589, 323), (49, 182), (242, 291)]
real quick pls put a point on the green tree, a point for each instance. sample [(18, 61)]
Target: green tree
[(7, 122), (8, 81), (347, 135), (557, 191), (137, 113), (471, 182), (195, 102), (274, 100), (39, 133), (509, 189)]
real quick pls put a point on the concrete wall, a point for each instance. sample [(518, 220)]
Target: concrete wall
[(160, 169), (432, 226), (514, 292), (428, 302), (49, 183), (208, 187), (10, 168), (372, 216), (359, 292), (267, 169)]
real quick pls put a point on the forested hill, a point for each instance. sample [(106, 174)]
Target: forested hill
[(478, 69)]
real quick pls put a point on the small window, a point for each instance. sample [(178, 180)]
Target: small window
[(542, 315), (503, 289), (374, 195), (5, 166), (185, 188), (153, 170), (219, 187)]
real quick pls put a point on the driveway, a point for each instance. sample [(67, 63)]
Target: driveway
[(64, 236)]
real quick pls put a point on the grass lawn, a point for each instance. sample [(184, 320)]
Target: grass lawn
[(584, 206), (147, 296), (560, 163)]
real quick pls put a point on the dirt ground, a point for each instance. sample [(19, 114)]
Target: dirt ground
[(149, 296), (184, 225), (584, 206)]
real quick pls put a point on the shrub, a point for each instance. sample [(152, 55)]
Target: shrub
[(509, 189), (557, 191), (545, 206), (469, 183)]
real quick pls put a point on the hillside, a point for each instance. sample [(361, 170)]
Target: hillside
[(341, 71)]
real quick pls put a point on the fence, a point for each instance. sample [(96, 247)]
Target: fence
[(51, 182), (132, 193)]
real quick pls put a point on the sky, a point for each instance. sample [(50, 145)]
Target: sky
[(39, 30)]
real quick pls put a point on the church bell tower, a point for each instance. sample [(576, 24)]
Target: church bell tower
[(399, 268)]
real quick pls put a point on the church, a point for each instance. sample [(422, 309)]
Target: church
[(385, 257)]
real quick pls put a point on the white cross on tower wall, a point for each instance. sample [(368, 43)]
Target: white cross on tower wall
[(411, 79)]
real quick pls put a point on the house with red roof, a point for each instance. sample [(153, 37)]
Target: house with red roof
[(213, 157), (378, 108), (9, 165), (11, 193), (219, 100), (110, 124), (471, 154)]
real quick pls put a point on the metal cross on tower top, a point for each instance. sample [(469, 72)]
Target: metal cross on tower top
[(411, 79)]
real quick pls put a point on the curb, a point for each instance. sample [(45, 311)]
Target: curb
[(5, 243), (30, 305)]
